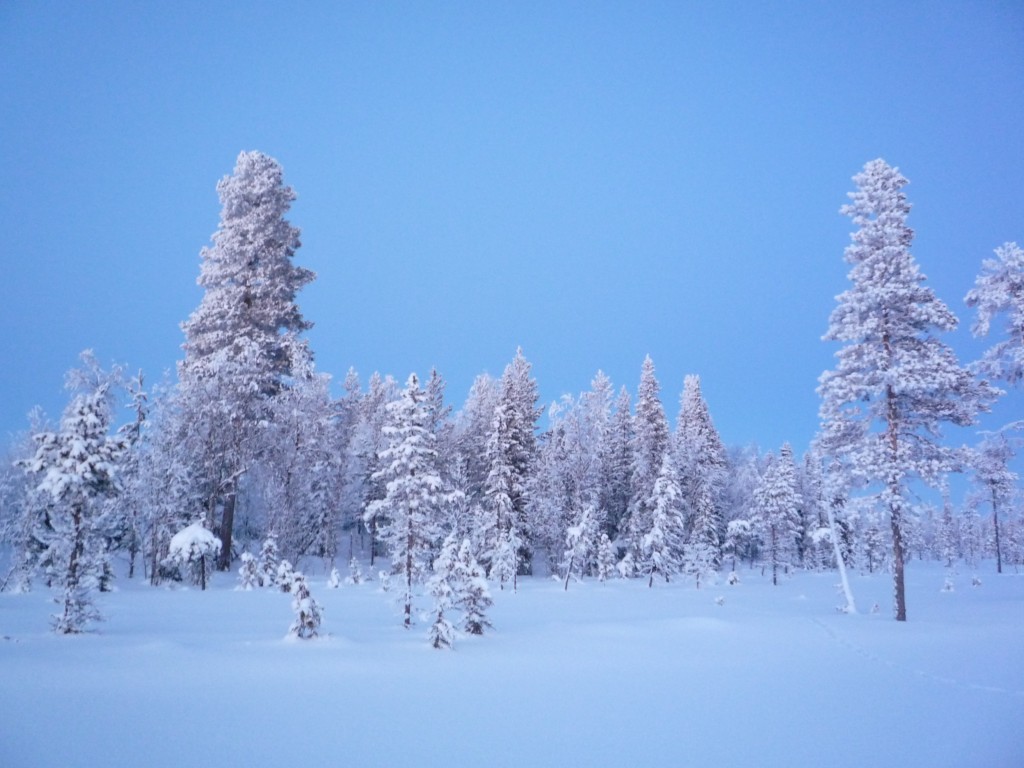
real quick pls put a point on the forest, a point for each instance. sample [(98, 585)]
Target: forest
[(250, 461)]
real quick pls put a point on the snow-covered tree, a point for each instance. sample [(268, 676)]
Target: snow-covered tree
[(606, 559), (240, 341), (471, 432), (777, 506), (269, 560), (703, 469), (662, 546), (25, 526), (355, 572), (895, 382), (248, 575), (650, 446), (617, 468), (996, 480), (308, 613), (363, 483), (285, 577), (193, 549), (999, 289), (124, 520), (580, 543), (473, 597), (75, 468), (334, 579), (300, 471), (511, 452), (440, 587), (407, 515)]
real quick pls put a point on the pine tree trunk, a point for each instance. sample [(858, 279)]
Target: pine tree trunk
[(995, 524), (895, 510), (227, 524), (897, 562)]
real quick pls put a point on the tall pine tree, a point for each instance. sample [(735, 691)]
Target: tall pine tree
[(239, 342), (895, 382)]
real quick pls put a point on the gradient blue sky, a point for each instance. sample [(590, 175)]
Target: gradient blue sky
[(592, 181)]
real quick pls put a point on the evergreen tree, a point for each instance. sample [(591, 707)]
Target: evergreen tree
[(512, 450), (605, 558), (895, 382), (408, 513), (703, 468), (76, 468), (472, 594), (471, 433), (239, 342), (440, 586), (617, 467), (269, 560), (308, 613), (999, 289), (365, 483), (662, 545), (996, 480), (300, 471), (778, 509), (248, 574), (650, 446)]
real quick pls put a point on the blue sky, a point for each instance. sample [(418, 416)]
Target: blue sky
[(592, 181)]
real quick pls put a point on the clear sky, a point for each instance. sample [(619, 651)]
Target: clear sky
[(593, 181)]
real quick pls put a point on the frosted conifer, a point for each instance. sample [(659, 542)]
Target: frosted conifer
[(650, 446), (409, 513), (355, 572), (473, 596), (662, 545), (999, 289), (285, 576), (605, 558), (248, 575), (308, 613), (441, 587), (895, 382), (76, 468), (266, 565)]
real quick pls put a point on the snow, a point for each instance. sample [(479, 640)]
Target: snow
[(604, 674)]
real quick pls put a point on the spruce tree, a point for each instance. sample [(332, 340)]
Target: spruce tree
[(895, 382), (650, 446), (308, 613), (703, 467), (472, 596), (408, 514), (662, 546)]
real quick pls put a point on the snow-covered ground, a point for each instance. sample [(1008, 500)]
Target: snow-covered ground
[(604, 674)]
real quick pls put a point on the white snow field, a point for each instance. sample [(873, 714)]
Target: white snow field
[(604, 674)]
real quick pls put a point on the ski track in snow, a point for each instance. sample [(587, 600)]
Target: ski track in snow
[(920, 673)]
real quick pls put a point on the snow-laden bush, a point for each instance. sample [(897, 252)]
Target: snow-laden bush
[(193, 550)]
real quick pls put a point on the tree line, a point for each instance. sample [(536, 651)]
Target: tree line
[(248, 448)]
